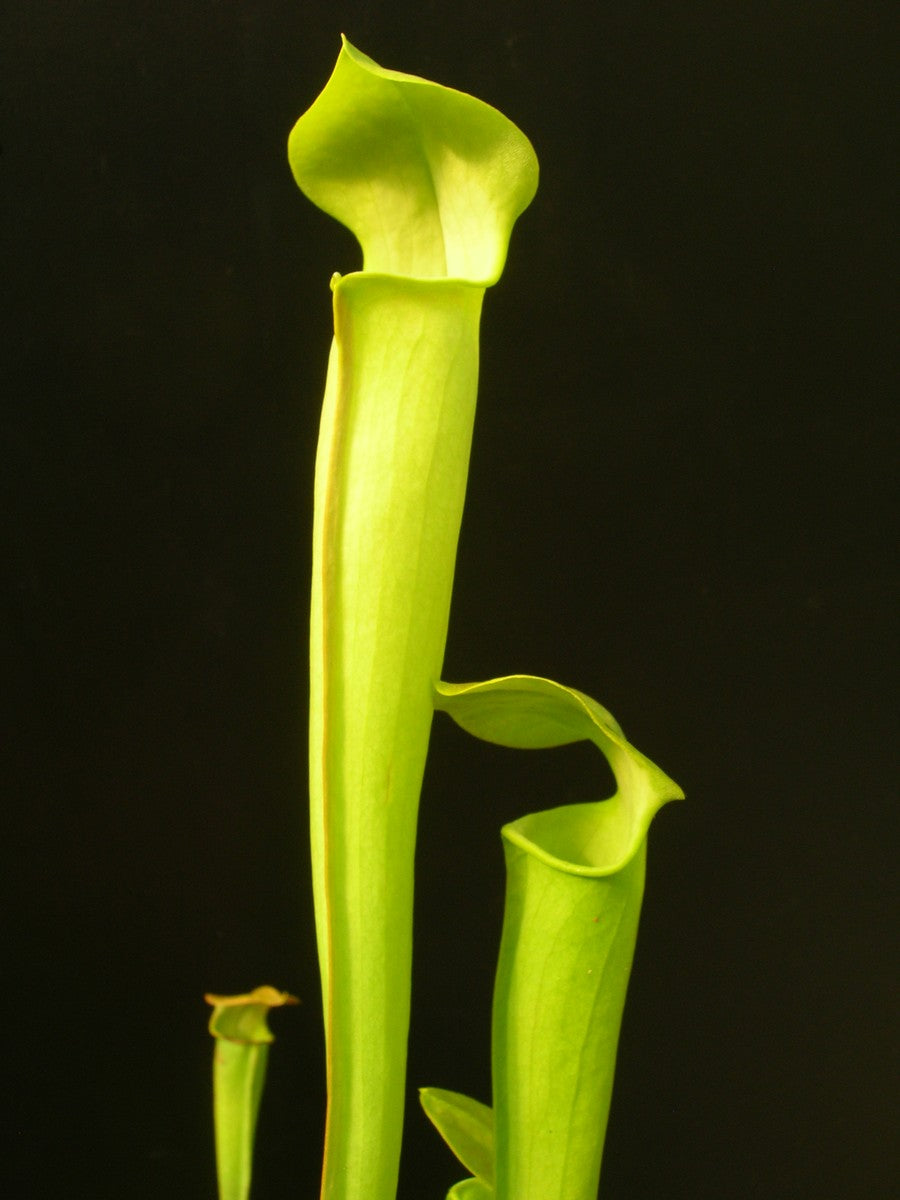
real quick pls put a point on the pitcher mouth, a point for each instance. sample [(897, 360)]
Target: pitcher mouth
[(594, 839)]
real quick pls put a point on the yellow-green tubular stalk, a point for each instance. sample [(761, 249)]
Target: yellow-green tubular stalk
[(575, 879), (241, 1054), (430, 181)]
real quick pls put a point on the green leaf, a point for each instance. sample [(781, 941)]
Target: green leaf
[(467, 1127), (471, 1189), (527, 712), (239, 1025), (431, 182), (575, 878)]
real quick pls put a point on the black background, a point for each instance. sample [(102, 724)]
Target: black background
[(679, 501)]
